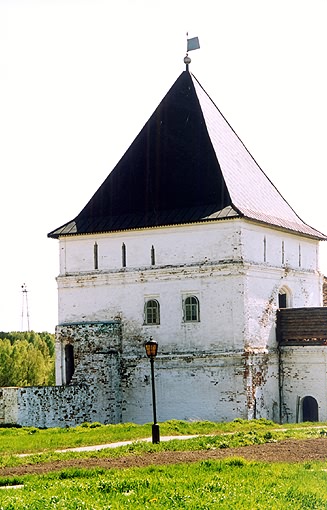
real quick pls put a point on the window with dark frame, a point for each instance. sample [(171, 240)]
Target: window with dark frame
[(152, 312)]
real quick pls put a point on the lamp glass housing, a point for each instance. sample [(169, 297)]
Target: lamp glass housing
[(151, 348)]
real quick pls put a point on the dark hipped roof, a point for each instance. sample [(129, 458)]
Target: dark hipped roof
[(186, 165)]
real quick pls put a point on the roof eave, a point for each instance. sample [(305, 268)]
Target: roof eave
[(318, 236), (134, 229)]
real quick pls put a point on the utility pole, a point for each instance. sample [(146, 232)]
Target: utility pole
[(25, 311)]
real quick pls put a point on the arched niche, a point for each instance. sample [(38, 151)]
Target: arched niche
[(309, 409)]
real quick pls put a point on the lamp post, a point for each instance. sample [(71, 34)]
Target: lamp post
[(151, 349)]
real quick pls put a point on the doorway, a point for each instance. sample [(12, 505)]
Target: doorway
[(309, 409), (69, 362), (282, 300)]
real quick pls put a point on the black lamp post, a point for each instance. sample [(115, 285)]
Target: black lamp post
[(151, 349)]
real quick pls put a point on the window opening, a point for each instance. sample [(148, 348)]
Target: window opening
[(96, 256), (282, 300), (153, 256), (69, 362), (283, 252), (191, 309), (265, 249), (300, 256), (152, 312), (123, 255)]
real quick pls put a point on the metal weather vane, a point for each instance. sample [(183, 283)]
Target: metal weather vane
[(192, 44)]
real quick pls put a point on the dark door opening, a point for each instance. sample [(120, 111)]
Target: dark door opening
[(69, 362), (282, 301), (309, 409)]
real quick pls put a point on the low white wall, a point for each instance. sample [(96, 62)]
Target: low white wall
[(304, 374)]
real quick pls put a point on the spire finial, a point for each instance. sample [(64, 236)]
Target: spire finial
[(192, 44), (187, 61)]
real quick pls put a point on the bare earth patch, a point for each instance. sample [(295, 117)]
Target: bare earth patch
[(284, 451)]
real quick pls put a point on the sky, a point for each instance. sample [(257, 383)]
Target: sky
[(80, 78)]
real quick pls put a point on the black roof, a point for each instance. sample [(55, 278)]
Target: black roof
[(172, 174)]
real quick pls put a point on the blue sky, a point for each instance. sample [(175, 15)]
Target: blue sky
[(79, 79)]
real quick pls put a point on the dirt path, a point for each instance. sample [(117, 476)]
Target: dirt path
[(283, 451)]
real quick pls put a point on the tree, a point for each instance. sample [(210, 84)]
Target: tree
[(27, 359)]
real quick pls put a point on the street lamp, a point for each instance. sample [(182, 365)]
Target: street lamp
[(151, 348)]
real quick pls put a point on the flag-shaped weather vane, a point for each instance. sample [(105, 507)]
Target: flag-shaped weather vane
[(192, 44)]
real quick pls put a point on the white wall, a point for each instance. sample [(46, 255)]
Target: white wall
[(232, 239), (277, 248), (233, 267), (224, 366), (180, 245), (123, 295), (304, 369)]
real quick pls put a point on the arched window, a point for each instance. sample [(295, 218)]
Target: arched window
[(191, 309), (284, 298), (152, 312)]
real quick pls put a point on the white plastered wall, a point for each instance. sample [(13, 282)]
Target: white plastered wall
[(235, 268)]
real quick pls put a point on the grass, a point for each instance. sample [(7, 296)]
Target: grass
[(233, 483), (234, 434), (31, 440)]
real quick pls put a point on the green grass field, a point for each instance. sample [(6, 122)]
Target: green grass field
[(31, 440), (233, 483)]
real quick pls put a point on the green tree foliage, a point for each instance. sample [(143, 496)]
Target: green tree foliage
[(27, 358)]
